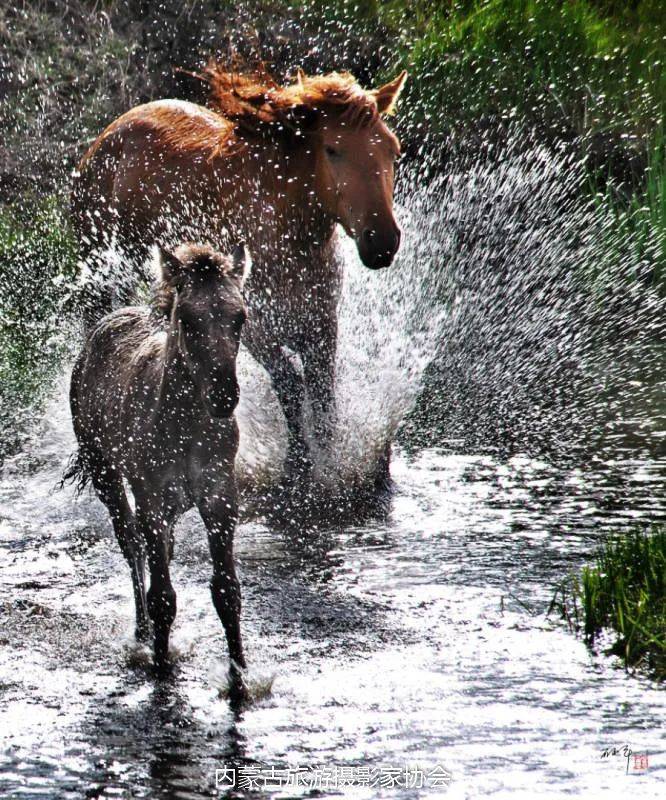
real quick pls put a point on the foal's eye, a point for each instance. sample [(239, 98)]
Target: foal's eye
[(331, 152), (188, 324), (238, 320)]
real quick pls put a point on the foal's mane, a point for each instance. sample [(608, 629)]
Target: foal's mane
[(254, 101)]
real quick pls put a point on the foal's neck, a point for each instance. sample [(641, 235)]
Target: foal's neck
[(178, 395)]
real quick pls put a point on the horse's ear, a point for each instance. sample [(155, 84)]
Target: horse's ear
[(241, 264), (168, 266), (387, 95)]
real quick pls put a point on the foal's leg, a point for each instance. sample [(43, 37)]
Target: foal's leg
[(110, 489), (156, 529), (219, 511)]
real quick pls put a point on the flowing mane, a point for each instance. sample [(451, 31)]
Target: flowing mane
[(254, 100)]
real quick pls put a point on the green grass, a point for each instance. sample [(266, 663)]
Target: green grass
[(37, 271), (649, 206), (577, 67), (633, 219), (625, 592)]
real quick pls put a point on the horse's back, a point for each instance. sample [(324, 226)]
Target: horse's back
[(142, 159), (168, 128)]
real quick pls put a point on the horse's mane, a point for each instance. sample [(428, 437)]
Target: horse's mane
[(253, 100), (195, 260)]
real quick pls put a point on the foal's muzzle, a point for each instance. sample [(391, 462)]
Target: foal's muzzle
[(222, 399)]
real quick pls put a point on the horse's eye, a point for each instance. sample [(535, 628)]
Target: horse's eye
[(331, 152)]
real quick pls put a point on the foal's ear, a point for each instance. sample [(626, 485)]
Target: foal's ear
[(169, 267), (241, 264), (387, 95)]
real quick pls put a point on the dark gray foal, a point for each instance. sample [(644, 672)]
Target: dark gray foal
[(153, 396)]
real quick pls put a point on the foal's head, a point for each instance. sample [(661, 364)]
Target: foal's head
[(201, 292), (336, 138)]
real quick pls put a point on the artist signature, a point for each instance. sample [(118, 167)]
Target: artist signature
[(640, 760)]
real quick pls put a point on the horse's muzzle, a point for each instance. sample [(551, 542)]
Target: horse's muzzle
[(377, 249)]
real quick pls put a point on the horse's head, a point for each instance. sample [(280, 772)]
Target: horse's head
[(354, 171), (207, 315), (340, 153)]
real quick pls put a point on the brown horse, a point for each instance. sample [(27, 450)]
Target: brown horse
[(153, 395), (275, 165)]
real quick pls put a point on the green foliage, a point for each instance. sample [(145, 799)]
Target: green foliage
[(37, 271), (634, 223), (626, 591), (579, 66)]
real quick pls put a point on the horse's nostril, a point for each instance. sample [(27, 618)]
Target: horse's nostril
[(368, 235)]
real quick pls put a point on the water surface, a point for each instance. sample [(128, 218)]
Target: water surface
[(421, 639)]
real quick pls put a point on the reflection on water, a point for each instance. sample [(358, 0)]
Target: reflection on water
[(418, 639)]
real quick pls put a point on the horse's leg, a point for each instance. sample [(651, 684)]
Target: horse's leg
[(318, 354), (289, 387), (155, 528), (109, 487), (219, 511)]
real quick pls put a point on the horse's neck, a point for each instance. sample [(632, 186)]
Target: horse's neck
[(274, 208)]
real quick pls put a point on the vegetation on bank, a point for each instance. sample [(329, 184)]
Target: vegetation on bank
[(624, 592), (37, 274), (589, 70), (579, 67)]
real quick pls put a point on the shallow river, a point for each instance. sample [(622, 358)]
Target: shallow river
[(412, 650)]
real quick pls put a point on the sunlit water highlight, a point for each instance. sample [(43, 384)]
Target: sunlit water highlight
[(423, 637)]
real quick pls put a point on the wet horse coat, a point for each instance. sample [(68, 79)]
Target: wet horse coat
[(278, 166)]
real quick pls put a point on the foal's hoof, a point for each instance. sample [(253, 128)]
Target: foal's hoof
[(239, 694), (163, 668), (163, 664), (142, 633)]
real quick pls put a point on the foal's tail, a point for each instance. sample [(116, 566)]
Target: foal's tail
[(76, 473)]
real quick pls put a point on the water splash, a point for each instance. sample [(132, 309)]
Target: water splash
[(514, 317)]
